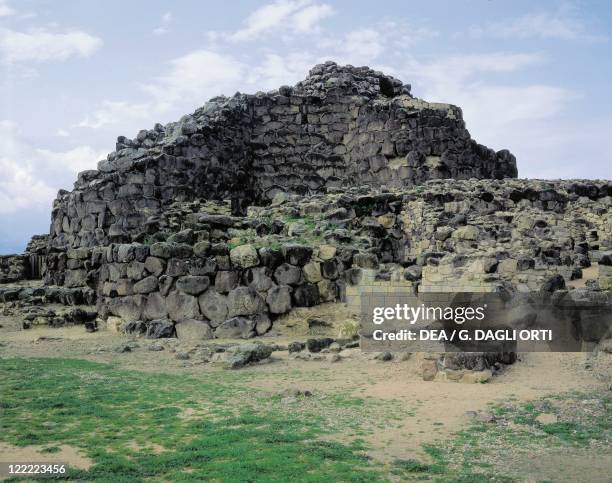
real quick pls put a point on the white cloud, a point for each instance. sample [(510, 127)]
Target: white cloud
[(164, 24), (563, 24), (308, 18), (5, 9), (503, 114), (30, 177), (465, 80), (283, 15), (388, 39), (20, 188), (276, 70), (114, 112), (194, 77), (191, 80), (457, 69), (565, 148), (73, 160), (267, 17), (364, 44), (43, 45)]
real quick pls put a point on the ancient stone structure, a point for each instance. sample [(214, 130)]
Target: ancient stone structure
[(13, 268), (30, 265), (339, 127), (218, 224)]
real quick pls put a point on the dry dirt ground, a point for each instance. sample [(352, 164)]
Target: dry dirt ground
[(438, 409)]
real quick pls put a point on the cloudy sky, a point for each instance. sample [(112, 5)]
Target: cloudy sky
[(533, 77)]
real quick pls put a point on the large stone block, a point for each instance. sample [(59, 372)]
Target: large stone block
[(213, 306), (128, 308), (312, 272), (193, 330), (297, 254), (158, 329), (226, 280), (279, 299), (171, 250), (236, 328), (258, 278), (75, 278), (193, 285), (146, 285), (244, 301), (155, 307), (155, 266), (182, 306), (244, 256), (306, 295), (287, 274), (466, 233)]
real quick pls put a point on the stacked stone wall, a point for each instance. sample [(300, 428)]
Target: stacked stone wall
[(13, 268), (227, 293), (339, 127)]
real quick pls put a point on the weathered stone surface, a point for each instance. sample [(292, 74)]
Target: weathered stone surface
[(146, 285), (157, 329), (296, 346), (244, 256), (226, 280), (171, 250), (297, 254), (244, 301), (328, 290), (128, 308), (327, 252), (201, 249), (279, 299), (312, 272), (193, 330), (192, 285), (258, 278), (177, 267), (468, 232), (365, 260), (262, 323), (287, 274), (236, 328), (155, 307), (75, 278), (165, 284), (155, 266), (213, 306), (270, 258), (244, 354), (182, 306), (429, 369), (316, 345), (306, 295)]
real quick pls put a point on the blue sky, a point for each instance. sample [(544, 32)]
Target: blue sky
[(533, 77)]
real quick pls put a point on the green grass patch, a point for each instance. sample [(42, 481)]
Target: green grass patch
[(138, 426), (106, 411)]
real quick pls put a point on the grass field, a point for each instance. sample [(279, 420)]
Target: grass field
[(138, 426)]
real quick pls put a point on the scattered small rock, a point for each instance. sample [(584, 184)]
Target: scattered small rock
[(296, 347), (384, 356)]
